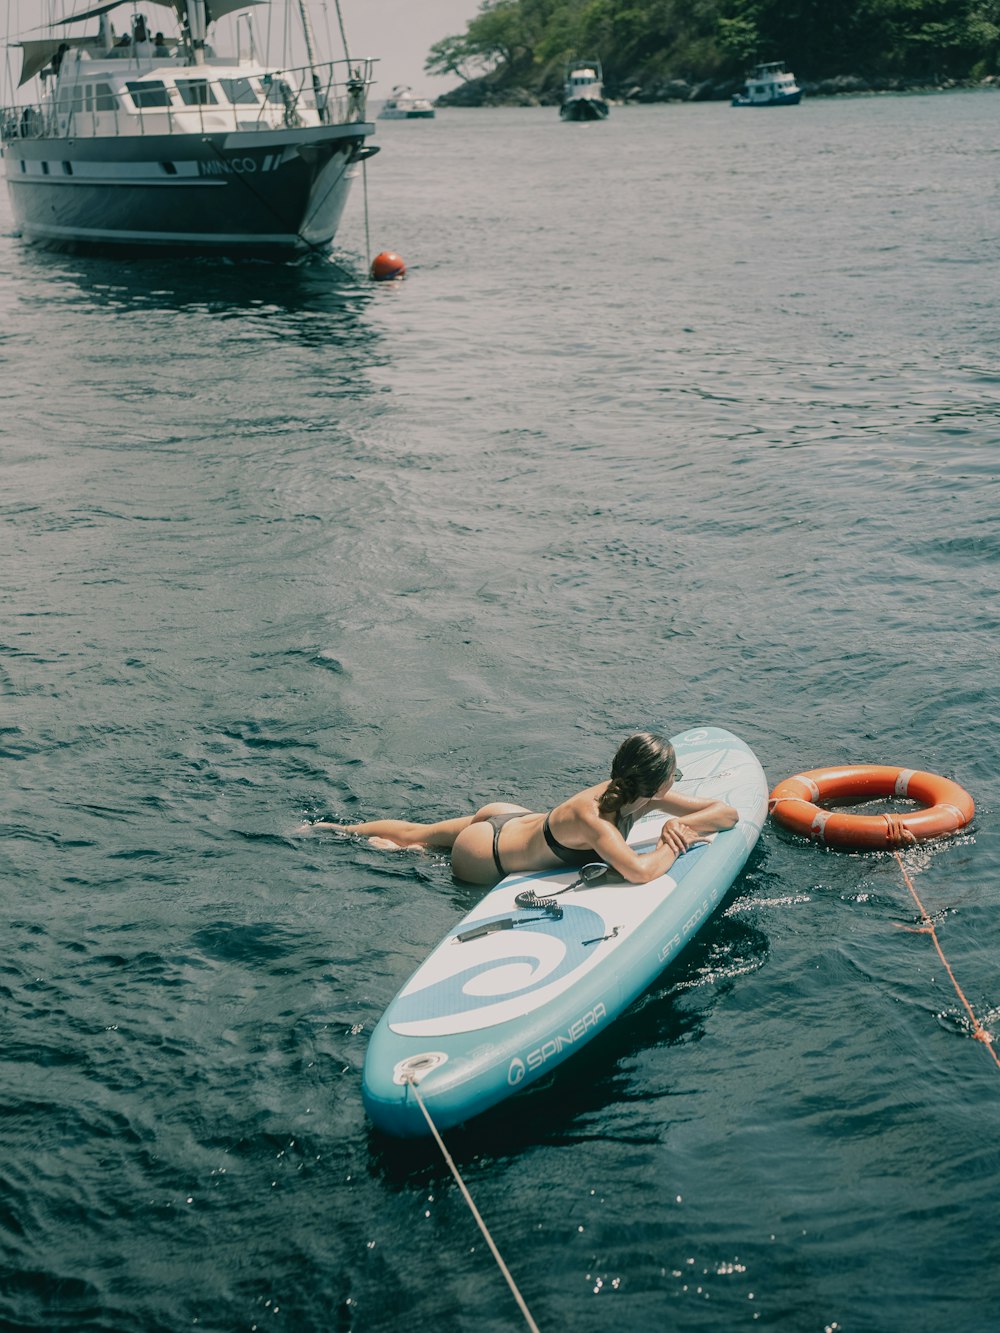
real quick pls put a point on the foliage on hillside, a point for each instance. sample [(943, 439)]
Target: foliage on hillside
[(527, 41)]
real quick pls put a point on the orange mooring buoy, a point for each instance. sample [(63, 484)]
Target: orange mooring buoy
[(387, 266)]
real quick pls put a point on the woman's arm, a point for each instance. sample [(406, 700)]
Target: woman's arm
[(701, 816), (639, 867)]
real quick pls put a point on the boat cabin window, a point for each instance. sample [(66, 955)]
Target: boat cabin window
[(93, 97), (239, 91), (151, 92), (196, 92)]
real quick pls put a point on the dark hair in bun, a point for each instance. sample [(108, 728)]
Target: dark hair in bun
[(642, 765)]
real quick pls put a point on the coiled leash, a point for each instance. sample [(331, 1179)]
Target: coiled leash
[(529, 900)]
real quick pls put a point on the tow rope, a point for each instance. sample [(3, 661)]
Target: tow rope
[(522, 1305), (926, 927)]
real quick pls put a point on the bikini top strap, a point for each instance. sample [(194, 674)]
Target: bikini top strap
[(625, 823)]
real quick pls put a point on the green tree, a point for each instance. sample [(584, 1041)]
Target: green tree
[(451, 55), (525, 40), (739, 38), (495, 37)]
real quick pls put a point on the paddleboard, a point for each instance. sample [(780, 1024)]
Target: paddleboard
[(511, 992)]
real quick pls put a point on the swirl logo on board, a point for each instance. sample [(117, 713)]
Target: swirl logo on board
[(516, 1071), (503, 975)]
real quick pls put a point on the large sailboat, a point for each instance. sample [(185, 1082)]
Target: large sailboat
[(141, 141)]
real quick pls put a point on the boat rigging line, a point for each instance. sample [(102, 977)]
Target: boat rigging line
[(350, 158), (343, 34), (307, 33), (266, 203), (364, 190)]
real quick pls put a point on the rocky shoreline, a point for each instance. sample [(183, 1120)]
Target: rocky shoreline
[(486, 93)]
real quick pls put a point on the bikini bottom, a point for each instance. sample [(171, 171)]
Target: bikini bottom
[(497, 822)]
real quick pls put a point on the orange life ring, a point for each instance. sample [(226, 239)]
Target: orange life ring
[(795, 803)]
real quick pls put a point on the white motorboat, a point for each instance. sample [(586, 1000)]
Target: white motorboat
[(403, 105), (144, 142), (769, 85), (583, 92)]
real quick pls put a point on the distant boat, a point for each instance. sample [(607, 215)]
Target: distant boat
[(402, 105), (583, 92), (769, 85), (147, 142)]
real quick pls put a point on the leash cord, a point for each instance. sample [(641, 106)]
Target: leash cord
[(926, 927), (474, 1210)]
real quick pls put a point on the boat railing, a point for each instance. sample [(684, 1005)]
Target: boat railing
[(334, 93)]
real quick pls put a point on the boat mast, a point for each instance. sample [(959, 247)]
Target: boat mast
[(197, 26)]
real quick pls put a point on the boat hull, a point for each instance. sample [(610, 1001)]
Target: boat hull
[(263, 193), (584, 108), (784, 99)]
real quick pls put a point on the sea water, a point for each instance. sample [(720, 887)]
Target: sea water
[(690, 416)]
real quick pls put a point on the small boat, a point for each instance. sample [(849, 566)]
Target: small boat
[(152, 143), (769, 85), (583, 92), (402, 105)]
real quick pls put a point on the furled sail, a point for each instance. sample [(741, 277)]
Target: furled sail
[(214, 9), (37, 53)]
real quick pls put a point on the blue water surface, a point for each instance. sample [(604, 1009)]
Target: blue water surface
[(687, 417)]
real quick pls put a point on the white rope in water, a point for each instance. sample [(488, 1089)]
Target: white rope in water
[(475, 1211)]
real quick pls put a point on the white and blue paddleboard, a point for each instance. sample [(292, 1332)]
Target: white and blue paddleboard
[(512, 991)]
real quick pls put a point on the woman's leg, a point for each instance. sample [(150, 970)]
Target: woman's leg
[(404, 832)]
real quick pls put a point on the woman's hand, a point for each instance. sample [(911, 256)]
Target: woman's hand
[(679, 836)]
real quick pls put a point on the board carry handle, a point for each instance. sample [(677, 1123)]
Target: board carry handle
[(477, 932), (551, 913)]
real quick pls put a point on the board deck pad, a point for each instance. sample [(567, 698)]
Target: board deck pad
[(483, 1017)]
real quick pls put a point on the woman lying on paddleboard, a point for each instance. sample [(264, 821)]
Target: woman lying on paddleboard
[(591, 826)]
